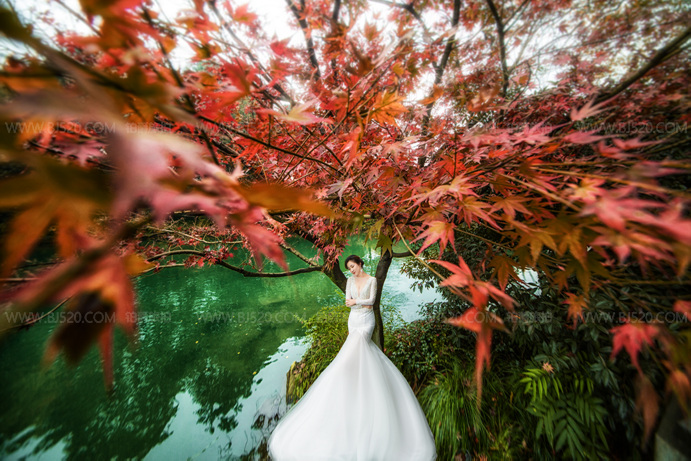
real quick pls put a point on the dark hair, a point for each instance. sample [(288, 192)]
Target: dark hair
[(356, 259)]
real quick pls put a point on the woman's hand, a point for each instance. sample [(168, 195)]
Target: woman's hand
[(350, 302)]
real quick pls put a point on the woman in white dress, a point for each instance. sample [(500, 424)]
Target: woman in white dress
[(361, 408)]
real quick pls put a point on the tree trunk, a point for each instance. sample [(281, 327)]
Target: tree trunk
[(336, 275), (382, 271), (339, 279)]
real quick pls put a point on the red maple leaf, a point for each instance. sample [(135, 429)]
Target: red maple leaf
[(461, 275), (98, 300), (586, 111), (632, 336), (441, 231), (482, 323), (584, 137), (614, 210), (683, 307)]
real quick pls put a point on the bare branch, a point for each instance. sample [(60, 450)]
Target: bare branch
[(75, 14), (515, 15), (199, 239)]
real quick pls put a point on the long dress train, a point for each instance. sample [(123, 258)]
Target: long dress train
[(360, 408)]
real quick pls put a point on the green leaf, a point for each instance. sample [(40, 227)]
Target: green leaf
[(575, 426), (385, 243), (561, 440), (538, 428), (572, 413)]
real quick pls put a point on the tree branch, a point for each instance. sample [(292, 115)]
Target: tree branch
[(308, 35), (265, 144), (406, 6), (337, 8), (298, 254), (502, 46), (245, 49), (439, 71), (240, 270), (181, 84), (661, 56), (514, 15)]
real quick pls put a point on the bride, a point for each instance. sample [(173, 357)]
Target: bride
[(361, 407)]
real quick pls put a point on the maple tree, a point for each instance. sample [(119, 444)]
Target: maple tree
[(559, 126)]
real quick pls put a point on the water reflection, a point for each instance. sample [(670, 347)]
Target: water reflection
[(202, 381)]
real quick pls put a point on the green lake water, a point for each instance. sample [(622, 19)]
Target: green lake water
[(204, 377)]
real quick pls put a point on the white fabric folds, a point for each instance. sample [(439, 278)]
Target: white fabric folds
[(360, 408)]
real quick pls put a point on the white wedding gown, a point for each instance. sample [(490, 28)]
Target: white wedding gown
[(360, 408)]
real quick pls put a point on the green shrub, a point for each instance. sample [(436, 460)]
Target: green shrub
[(422, 347), (569, 417), (450, 404), (327, 330)]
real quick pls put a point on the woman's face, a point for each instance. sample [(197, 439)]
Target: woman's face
[(354, 268)]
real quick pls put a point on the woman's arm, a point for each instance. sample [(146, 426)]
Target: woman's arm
[(350, 302), (347, 290), (369, 301)]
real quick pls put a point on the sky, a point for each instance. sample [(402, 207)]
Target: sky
[(274, 14), (276, 17)]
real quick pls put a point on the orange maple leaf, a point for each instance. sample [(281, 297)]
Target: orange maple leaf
[(576, 305), (386, 107), (504, 268), (481, 101), (441, 231), (99, 299), (52, 193), (437, 91), (679, 382), (242, 14), (298, 114), (648, 403)]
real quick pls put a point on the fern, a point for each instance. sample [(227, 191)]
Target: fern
[(570, 418)]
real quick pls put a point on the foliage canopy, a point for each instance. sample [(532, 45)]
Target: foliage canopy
[(554, 130)]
